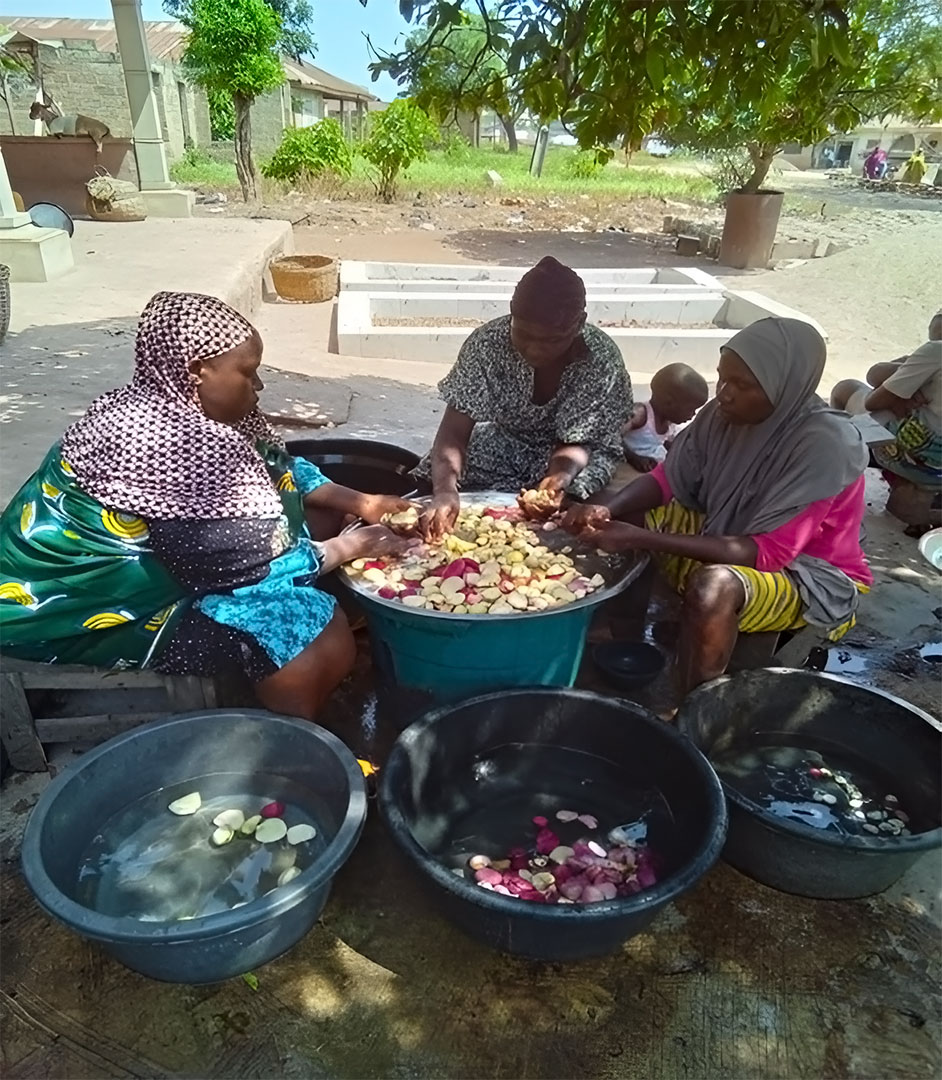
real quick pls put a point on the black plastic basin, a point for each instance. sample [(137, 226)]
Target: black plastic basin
[(901, 741), (375, 467), (432, 760), (124, 769), (628, 664)]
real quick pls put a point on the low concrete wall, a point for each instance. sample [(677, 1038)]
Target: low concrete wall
[(47, 169)]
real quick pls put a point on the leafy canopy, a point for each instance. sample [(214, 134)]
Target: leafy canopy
[(715, 71), (295, 16), (456, 71), (232, 46)]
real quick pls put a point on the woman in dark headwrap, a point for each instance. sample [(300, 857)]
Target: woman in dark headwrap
[(536, 400), (755, 515)]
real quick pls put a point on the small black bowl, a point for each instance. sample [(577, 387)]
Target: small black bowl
[(628, 664)]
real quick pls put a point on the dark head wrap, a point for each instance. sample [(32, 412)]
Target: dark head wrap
[(550, 294)]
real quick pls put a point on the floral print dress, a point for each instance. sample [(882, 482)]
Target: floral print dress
[(83, 583), (514, 438)]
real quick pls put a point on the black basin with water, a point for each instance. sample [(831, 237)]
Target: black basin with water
[(430, 782), (162, 754), (900, 743), (362, 464)]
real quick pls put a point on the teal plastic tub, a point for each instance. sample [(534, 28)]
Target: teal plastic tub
[(446, 657), (453, 657)]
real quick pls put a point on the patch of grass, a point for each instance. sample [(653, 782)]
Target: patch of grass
[(441, 172), (198, 170), (445, 171)]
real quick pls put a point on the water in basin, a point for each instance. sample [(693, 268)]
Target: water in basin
[(811, 782), (492, 805), (149, 864)]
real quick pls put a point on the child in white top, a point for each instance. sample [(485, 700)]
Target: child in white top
[(677, 391)]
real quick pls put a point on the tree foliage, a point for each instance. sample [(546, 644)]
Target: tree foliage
[(398, 137), (232, 49), (311, 151), (751, 73), (295, 16), (221, 114), (868, 72), (458, 71)]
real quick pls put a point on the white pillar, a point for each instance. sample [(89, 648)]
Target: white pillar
[(145, 116), (10, 217)]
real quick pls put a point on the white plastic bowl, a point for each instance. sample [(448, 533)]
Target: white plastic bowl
[(930, 547)]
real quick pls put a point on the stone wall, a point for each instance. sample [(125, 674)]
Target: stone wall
[(270, 115), (83, 80)]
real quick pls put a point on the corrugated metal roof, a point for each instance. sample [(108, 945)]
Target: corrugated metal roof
[(316, 78), (165, 40)]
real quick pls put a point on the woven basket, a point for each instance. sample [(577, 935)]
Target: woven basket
[(108, 199), (125, 210), (4, 300), (308, 278)]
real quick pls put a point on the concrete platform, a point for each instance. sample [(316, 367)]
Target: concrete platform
[(656, 315), (120, 265), (34, 254)]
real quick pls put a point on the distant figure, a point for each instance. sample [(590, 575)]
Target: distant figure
[(828, 155), (906, 396), (72, 124), (915, 168), (875, 164), (677, 392)]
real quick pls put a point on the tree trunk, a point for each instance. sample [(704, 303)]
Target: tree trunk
[(245, 162), (761, 155), (6, 101), (510, 130)]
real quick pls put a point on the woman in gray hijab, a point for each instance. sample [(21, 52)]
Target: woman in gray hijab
[(755, 515)]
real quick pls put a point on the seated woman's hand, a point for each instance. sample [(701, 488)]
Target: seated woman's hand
[(377, 540), (541, 502), (616, 536), (440, 515), (376, 507), (583, 516)]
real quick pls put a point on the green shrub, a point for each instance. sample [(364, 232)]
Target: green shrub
[(310, 151), (398, 137), (582, 165), (455, 146)]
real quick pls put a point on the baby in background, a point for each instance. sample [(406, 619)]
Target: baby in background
[(677, 391)]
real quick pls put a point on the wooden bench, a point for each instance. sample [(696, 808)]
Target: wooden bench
[(60, 703)]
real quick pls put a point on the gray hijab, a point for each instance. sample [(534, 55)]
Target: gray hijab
[(749, 479), (752, 478)]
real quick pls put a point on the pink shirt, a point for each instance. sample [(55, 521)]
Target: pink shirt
[(828, 529)]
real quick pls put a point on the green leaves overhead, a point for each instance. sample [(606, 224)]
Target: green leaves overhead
[(232, 46), (612, 67)]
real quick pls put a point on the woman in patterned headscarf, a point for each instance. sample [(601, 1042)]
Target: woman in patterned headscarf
[(536, 400), (755, 515), (169, 528)]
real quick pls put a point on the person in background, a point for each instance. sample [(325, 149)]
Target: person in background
[(169, 528), (755, 515), (875, 164), (677, 392), (905, 396), (535, 401), (915, 168)]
